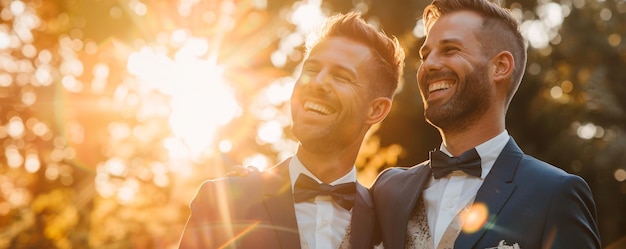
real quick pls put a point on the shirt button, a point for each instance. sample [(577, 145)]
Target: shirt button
[(450, 204), (324, 222)]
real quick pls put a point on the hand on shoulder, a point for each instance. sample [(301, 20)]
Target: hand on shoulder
[(239, 170)]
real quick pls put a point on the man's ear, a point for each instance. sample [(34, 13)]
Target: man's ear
[(379, 109), (504, 64)]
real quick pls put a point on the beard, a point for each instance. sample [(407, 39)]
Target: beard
[(467, 105), (326, 138), (313, 138)]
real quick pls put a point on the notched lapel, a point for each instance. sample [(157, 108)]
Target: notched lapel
[(363, 219), (495, 191), (408, 196)]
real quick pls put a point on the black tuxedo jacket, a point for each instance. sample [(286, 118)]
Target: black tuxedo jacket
[(258, 211), (529, 202)]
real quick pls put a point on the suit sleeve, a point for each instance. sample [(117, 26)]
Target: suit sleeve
[(571, 221), (199, 232)]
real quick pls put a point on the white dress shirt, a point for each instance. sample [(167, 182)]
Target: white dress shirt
[(322, 223), (446, 197)]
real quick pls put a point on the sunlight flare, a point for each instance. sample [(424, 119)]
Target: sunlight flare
[(200, 99), (474, 218)]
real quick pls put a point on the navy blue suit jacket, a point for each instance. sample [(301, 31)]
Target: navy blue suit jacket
[(529, 202), (258, 211)]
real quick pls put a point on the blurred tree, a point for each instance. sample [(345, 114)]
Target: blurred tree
[(570, 112), (91, 159)]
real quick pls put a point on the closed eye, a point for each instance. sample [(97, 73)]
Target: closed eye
[(449, 50), (342, 78), (310, 70)]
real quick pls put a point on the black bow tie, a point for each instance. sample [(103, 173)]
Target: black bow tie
[(442, 164), (307, 188)]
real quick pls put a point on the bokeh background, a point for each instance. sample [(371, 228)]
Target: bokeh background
[(112, 112)]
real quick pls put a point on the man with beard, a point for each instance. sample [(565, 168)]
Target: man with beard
[(479, 190), (311, 200)]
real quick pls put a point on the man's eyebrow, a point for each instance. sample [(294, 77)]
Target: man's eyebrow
[(450, 40), (335, 66), (442, 42)]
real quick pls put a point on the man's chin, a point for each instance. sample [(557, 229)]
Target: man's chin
[(438, 120), (314, 140), (306, 134)]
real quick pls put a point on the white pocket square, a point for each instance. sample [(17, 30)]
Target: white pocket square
[(503, 245)]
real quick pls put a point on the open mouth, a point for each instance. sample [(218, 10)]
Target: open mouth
[(318, 108), (438, 86)]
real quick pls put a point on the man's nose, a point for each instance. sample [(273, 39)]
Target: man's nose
[(431, 62), (321, 80)]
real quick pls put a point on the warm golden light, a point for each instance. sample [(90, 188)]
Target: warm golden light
[(270, 132), (32, 164), (541, 31), (15, 128), (128, 191), (14, 158), (225, 146), (474, 218), (5, 40), (588, 131), (556, 92), (258, 161), (620, 175), (200, 100), (121, 109), (308, 15)]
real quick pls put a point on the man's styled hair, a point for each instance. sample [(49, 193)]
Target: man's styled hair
[(499, 31), (388, 64)]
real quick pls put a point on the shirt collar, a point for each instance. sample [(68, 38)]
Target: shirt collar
[(488, 151), (296, 168)]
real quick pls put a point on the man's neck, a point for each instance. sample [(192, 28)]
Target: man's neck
[(459, 142), (488, 126)]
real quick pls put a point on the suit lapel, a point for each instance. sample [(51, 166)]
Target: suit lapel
[(410, 192), (278, 201), (363, 219), (495, 191)]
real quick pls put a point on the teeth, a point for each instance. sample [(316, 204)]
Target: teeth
[(438, 86), (316, 108)]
